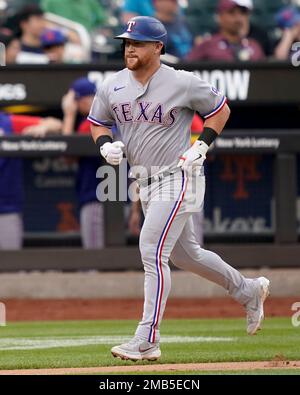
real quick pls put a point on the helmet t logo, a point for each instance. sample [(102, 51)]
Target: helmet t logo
[(130, 26)]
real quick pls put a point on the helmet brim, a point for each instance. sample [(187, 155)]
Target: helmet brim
[(139, 37)]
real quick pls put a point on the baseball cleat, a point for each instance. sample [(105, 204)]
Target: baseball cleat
[(137, 350), (255, 307)]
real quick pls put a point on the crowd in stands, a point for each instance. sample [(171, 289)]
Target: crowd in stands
[(80, 31)]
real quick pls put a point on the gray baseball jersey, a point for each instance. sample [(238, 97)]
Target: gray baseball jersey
[(158, 114)]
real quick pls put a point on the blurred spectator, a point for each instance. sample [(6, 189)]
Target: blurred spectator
[(132, 8), (78, 101), (11, 180), (12, 45), (88, 13), (230, 43), (288, 19), (255, 31), (180, 39), (3, 11), (31, 23), (53, 43)]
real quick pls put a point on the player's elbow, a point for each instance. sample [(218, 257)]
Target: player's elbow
[(226, 112)]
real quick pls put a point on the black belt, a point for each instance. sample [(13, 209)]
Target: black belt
[(158, 177)]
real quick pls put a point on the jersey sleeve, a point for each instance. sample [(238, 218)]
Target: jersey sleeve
[(204, 98), (20, 122), (100, 113)]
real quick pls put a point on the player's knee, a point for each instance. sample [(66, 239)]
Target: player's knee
[(148, 254), (148, 239), (147, 251)]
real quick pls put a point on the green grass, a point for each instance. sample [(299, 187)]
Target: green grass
[(278, 337)]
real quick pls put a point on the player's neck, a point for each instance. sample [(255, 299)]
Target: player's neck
[(143, 75)]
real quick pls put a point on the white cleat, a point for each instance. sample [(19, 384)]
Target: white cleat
[(255, 307), (137, 350)]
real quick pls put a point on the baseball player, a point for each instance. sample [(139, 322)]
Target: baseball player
[(11, 180), (153, 106)]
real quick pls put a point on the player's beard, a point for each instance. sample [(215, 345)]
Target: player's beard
[(133, 63)]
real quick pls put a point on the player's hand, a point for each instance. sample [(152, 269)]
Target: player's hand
[(68, 103), (112, 152), (194, 156)]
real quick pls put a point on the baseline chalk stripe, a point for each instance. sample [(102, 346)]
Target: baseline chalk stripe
[(7, 344)]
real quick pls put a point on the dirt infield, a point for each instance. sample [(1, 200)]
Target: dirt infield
[(96, 309), (196, 367)]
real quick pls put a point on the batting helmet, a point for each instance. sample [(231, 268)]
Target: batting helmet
[(145, 28)]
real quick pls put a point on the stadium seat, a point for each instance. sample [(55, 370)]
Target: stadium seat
[(200, 16), (264, 11), (17, 4)]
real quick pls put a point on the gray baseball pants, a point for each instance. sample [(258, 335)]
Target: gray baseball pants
[(168, 233)]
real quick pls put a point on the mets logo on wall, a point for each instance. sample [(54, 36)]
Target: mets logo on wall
[(240, 168)]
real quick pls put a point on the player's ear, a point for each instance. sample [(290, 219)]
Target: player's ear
[(158, 47)]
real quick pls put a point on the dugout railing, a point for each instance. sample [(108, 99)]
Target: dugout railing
[(284, 144), (283, 251)]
